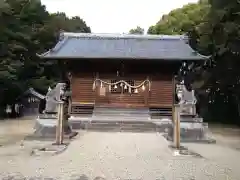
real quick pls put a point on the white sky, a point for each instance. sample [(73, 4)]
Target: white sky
[(115, 16)]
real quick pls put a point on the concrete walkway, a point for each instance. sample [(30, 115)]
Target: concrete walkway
[(119, 156)]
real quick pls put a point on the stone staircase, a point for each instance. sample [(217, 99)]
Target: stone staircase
[(160, 113), (120, 119)]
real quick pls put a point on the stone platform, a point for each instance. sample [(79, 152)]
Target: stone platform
[(116, 119), (127, 120)]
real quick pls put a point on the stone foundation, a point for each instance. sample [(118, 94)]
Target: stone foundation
[(192, 132), (45, 127)]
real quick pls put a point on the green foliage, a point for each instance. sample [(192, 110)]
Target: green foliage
[(219, 37), (180, 21), (214, 29), (26, 28), (137, 30)]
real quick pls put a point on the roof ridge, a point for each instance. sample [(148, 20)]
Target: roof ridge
[(62, 40), (123, 36)]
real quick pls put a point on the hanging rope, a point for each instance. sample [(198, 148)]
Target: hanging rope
[(122, 81)]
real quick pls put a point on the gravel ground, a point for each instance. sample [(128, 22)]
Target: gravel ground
[(118, 156), (12, 131)]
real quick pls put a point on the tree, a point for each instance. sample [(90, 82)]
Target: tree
[(137, 30), (181, 20), (219, 37), (213, 28), (26, 28)]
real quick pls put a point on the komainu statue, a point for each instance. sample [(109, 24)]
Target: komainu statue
[(187, 100), (46, 122), (192, 128)]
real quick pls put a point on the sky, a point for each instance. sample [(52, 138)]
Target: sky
[(115, 16)]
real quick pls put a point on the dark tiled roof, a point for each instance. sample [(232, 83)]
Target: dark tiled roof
[(89, 45), (32, 92)]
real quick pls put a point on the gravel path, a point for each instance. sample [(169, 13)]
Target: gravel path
[(116, 156)]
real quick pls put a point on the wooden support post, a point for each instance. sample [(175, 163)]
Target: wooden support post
[(97, 89), (176, 121), (59, 128), (146, 95)]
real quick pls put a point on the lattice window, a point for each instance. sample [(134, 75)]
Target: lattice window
[(116, 88), (121, 88), (128, 89)]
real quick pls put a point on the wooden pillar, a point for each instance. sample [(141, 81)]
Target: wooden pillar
[(176, 110), (59, 127), (97, 89), (70, 89), (173, 95), (176, 121), (69, 106), (146, 95)]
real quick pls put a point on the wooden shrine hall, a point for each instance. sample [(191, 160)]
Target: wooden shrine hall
[(112, 70)]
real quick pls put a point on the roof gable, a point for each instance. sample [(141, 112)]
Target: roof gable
[(89, 45)]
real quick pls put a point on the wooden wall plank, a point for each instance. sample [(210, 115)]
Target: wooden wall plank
[(82, 91)]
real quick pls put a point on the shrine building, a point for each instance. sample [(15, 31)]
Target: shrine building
[(109, 70)]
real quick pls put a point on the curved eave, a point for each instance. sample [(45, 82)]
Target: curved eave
[(200, 55), (47, 55), (203, 57), (55, 49), (43, 55)]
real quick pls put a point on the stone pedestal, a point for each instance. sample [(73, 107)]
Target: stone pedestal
[(45, 127), (192, 131), (56, 108), (192, 128)]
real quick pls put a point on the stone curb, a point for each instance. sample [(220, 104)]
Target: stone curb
[(49, 150), (204, 141)]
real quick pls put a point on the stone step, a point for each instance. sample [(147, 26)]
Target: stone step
[(147, 125), (119, 114), (122, 118), (122, 130), (123, 110), (77, 123), (190, 119), (121, 127)]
